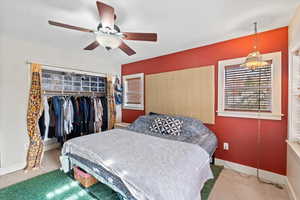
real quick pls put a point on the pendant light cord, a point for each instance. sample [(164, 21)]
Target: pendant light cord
[(259, 138), (255, 36)]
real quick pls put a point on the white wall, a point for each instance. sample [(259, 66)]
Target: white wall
[(294, 31), (14, 89)]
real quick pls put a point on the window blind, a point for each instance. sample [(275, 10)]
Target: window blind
[(133, 92), (248, 90)]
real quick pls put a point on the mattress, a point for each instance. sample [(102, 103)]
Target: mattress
[(143, 166)]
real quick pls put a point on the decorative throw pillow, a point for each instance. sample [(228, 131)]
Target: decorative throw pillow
[(157, 125), (172, 126), (166, 126)]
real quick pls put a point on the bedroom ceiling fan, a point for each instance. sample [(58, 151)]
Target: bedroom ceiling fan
[(108, 34)]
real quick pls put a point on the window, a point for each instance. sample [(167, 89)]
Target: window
[(248, 90), (250, 93), (133, 91)]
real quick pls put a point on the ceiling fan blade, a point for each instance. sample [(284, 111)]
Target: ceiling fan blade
[(107, 15), (140, 36), (92, 46), (69, 26), (124, 47)]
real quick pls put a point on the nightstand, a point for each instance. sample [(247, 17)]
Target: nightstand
[(121, 125)]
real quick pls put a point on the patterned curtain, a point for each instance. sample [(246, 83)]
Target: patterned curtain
[(111, 102), (35, 151)]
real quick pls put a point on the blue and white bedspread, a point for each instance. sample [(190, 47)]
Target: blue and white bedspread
[(152, 168)]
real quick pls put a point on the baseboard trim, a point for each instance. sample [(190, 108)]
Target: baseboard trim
[(290, 190), (51, 143), (12, 168), (49, 147), (266, 175)]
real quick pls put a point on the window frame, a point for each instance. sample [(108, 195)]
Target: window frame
[(133, 106), (275, 113)]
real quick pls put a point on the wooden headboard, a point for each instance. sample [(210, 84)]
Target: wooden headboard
[(189, 92)]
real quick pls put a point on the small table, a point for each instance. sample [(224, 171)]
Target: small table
[(121, 125)]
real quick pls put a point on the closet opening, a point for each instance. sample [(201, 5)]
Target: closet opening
[(74, 104)]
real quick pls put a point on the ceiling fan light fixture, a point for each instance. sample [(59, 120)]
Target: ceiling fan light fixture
[(108, 34), (108, 41)]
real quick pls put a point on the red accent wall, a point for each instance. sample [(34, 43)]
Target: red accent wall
[(241, 133)]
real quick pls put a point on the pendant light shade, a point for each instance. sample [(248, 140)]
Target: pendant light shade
[(254, 59)]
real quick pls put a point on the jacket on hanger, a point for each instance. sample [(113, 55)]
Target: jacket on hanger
[(68, 115)]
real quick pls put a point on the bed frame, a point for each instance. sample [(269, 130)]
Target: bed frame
[(68, 163)]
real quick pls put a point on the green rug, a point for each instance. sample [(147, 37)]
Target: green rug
[(58, 186), (210, 183)]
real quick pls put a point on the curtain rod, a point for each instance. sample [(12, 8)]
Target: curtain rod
[(62, 67)]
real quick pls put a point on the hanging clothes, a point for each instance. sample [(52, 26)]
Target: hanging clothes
[(88, 106), (84, 111), (91, 116), (46, 117), (80, 114), (105, 114), (98, 114), (42, 126), (58, 112), (118, 91), (52, 120), (77, 119), (68, 116)]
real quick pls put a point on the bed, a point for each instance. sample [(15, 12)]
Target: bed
[(139, 164)]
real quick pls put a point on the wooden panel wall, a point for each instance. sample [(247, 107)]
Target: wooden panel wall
[(188, 92)]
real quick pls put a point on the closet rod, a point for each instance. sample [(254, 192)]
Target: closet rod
[(62, 67)]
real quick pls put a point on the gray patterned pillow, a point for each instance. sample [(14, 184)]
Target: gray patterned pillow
[(166, 126)]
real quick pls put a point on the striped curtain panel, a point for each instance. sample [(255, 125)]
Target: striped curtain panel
[(35, 151), (111, 102)]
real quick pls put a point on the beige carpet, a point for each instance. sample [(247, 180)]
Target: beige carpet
[(229, 186), (234, 186), (50, 163)]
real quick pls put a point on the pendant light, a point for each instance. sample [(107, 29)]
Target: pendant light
[(254, 59)]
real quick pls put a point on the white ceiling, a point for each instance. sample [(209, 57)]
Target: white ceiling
[(180, 24)]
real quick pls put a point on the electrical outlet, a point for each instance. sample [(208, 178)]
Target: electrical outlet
[(226, 146)]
